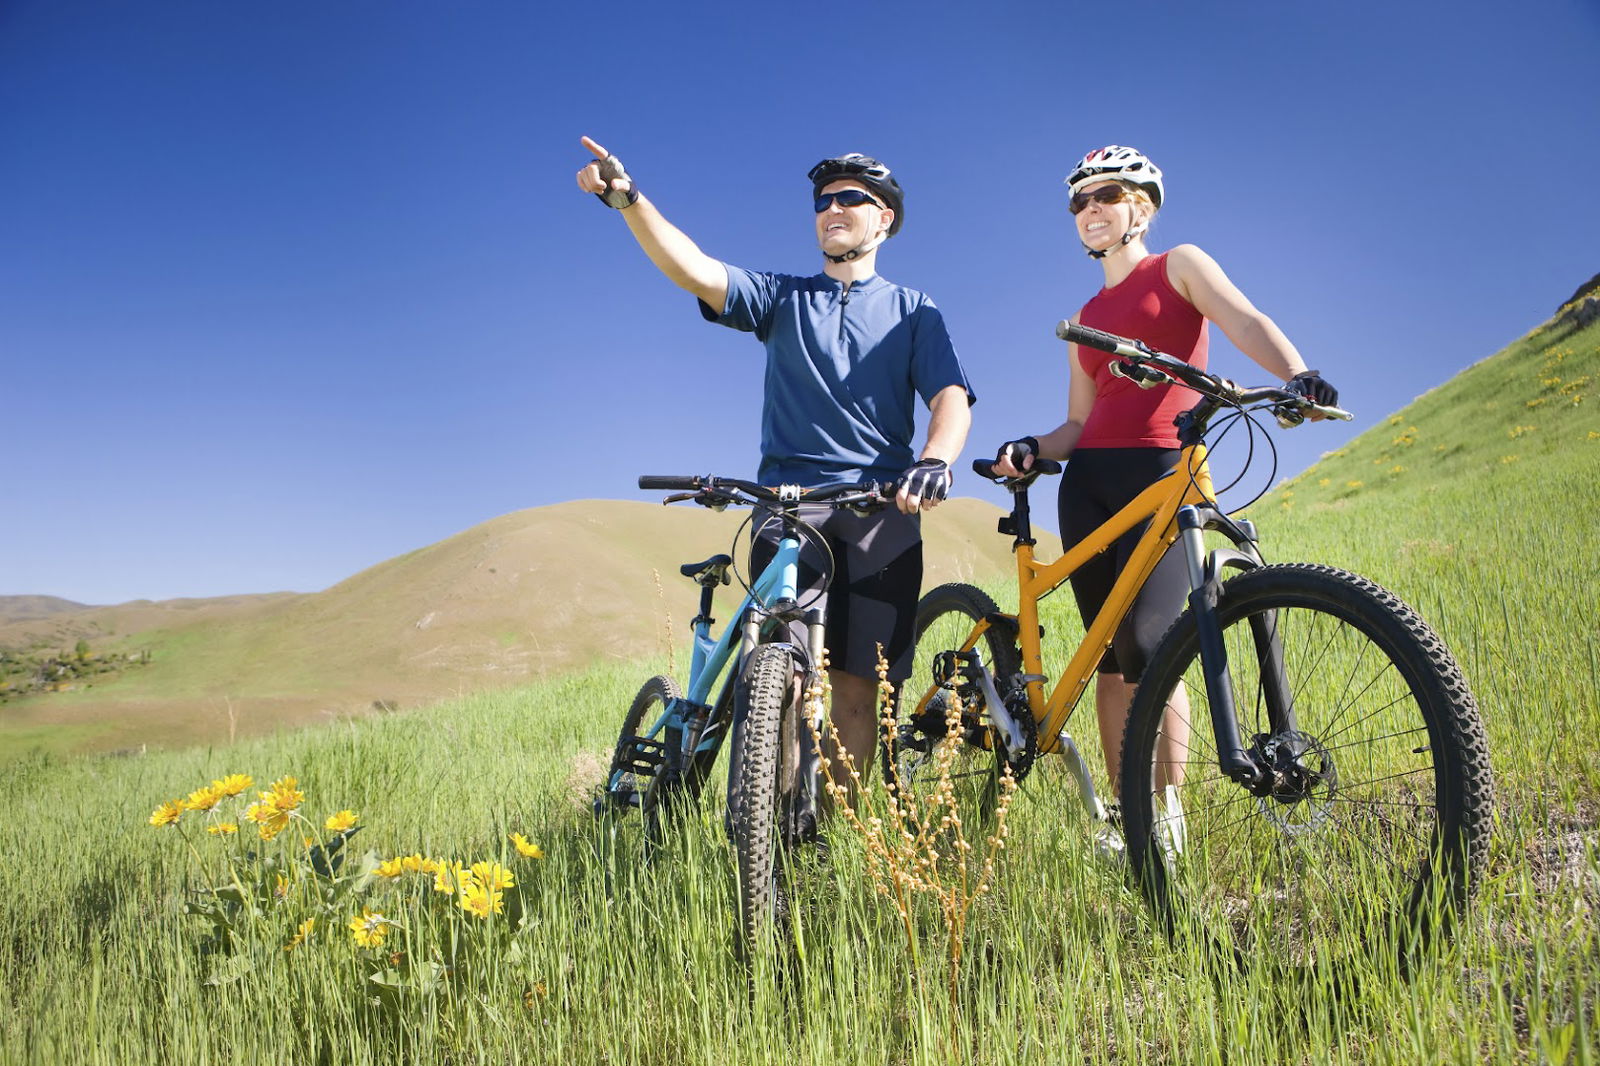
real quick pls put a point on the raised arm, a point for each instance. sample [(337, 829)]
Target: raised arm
[(668, 247)]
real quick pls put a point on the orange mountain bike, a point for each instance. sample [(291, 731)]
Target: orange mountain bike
[(1303, 764)]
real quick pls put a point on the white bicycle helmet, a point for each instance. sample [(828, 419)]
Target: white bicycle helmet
[(1121, 164)]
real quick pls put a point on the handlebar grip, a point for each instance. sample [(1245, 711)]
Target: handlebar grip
[(668, 482), (1092, 338)]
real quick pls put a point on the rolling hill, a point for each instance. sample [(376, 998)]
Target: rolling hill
[(530, 594)]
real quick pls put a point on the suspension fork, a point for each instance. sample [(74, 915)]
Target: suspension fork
[(809, 725), (1238, 762)]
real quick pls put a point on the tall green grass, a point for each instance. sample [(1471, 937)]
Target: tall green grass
[(615, 961)]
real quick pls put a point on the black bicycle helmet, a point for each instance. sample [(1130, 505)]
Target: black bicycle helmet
[(869, 172)]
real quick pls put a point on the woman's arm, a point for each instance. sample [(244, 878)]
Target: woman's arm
[(1059, 442), (1199, 279)]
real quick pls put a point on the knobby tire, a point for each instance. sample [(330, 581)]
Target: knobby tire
[(1379, 825)]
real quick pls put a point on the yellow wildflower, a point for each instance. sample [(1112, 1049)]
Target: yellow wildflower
[(284, 795), (492, 876), (302, 934), (281, 889), (338, 823), (446, 877), (233, 784), (203, 799), (167, 814), (269, 820), (526, 848), (388, 868), (481, 902), (219, 829), (369, 928)]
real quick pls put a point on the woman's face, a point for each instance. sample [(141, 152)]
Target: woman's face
[(1102, 225)]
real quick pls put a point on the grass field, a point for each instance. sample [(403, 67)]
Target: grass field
[(1476, 504)]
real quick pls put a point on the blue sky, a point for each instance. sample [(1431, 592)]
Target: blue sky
[(289, 289)]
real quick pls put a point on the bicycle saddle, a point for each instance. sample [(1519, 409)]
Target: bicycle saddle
[(714, 571)]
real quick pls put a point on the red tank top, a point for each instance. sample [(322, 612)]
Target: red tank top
[(1144, 306)]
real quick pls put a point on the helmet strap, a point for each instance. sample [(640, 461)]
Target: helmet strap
[(859, 250), (1134, 232)]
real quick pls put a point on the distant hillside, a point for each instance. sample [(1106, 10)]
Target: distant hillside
[(61, 623), (534, 593), (30, 608)]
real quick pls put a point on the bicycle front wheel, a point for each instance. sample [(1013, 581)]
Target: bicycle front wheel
[(1375, 822), (763, 786), (929, 742)]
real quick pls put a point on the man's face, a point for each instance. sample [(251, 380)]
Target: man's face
[(841, 228)]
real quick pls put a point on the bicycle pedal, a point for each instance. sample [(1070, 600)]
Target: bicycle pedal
[(951, 667), (644, 756)]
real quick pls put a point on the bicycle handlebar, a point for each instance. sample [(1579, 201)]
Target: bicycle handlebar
[(1158, 367), (711, 491)]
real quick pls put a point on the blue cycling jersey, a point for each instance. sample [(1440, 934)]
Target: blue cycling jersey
[(845, 365)]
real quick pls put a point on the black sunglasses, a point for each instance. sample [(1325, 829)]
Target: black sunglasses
[(845, 198), (1106, 194)]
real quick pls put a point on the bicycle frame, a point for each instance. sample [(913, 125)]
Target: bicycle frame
[(1187, 485), (776, 585), (701, 725)]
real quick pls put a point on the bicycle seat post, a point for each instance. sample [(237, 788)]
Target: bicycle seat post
[(1019, 523)]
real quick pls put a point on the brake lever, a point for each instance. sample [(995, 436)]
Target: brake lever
[(1146, 377), (713, 499), (1291, 416), (869, 502)]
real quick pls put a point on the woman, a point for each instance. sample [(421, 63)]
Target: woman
[(1118, 438)]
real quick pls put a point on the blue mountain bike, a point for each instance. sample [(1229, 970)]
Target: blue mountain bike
[(748, 682)]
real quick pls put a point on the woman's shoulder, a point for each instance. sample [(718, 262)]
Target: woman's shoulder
[(1186, 264), (1186, 255)]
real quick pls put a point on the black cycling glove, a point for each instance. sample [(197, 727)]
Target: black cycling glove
[(610, 170), (928, 480), (1309, 383), (1018, 450)]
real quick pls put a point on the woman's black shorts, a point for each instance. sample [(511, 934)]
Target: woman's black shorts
[(1096, 484)]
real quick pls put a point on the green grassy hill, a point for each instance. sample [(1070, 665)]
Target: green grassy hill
[(1478, 504), (532, 594), (109, 953)]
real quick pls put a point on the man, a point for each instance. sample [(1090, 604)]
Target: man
[(847, 354)]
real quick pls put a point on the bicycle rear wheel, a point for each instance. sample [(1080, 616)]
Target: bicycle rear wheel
[(763, 784), (645, 771), (1377, 820), (923, 742)]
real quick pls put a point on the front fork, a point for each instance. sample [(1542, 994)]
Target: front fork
[(802, 790), (1239, 763)]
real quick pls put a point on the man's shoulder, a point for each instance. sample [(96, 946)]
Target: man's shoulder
[(911, 297), (778, 277)]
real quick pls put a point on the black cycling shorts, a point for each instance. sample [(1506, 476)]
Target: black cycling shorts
[(877, 577), (1096, 484)]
